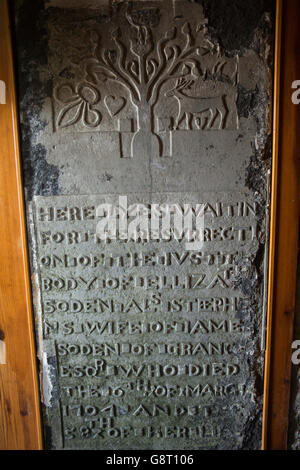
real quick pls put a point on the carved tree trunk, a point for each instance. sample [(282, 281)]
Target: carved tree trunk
[(145, 140)]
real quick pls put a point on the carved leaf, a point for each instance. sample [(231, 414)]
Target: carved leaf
[(152, 66), (186, 29), (70, 114), (201, 27), (186, 69), (171, 34), (97, 72), (134, 68), (170, 52), (65, 94), (88, 93), (91, 117), (181, 69)]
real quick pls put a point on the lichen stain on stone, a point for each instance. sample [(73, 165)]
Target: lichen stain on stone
[(46, 364), (37, 311), (228, 21), (40, 177), (256, 102), (48, 437), (48, 380)]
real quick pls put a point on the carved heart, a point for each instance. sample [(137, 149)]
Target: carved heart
[(114, 104)]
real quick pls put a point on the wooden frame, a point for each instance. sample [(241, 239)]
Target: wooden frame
[(284, 228), (20, 424)]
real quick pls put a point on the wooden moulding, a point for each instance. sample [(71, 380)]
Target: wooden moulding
[(20, 425), (283, 228)]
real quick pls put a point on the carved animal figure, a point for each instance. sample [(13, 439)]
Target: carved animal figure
[(204, 111)]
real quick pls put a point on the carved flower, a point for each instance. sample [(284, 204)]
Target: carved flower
[(79, 102)]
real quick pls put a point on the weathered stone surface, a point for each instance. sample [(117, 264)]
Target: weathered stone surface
[(148, 344)]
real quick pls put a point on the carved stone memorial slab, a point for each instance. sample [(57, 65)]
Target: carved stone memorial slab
[(146, 130)]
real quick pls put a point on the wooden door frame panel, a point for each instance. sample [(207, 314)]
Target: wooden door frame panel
[(283, 228), (20, 421)]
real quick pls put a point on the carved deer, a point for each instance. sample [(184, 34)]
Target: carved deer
[(199, 109)]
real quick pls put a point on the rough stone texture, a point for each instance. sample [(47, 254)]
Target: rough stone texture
[(92, 4), (164, 102)]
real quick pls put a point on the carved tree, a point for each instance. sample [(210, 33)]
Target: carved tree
[(145, 67), (143, 61)]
